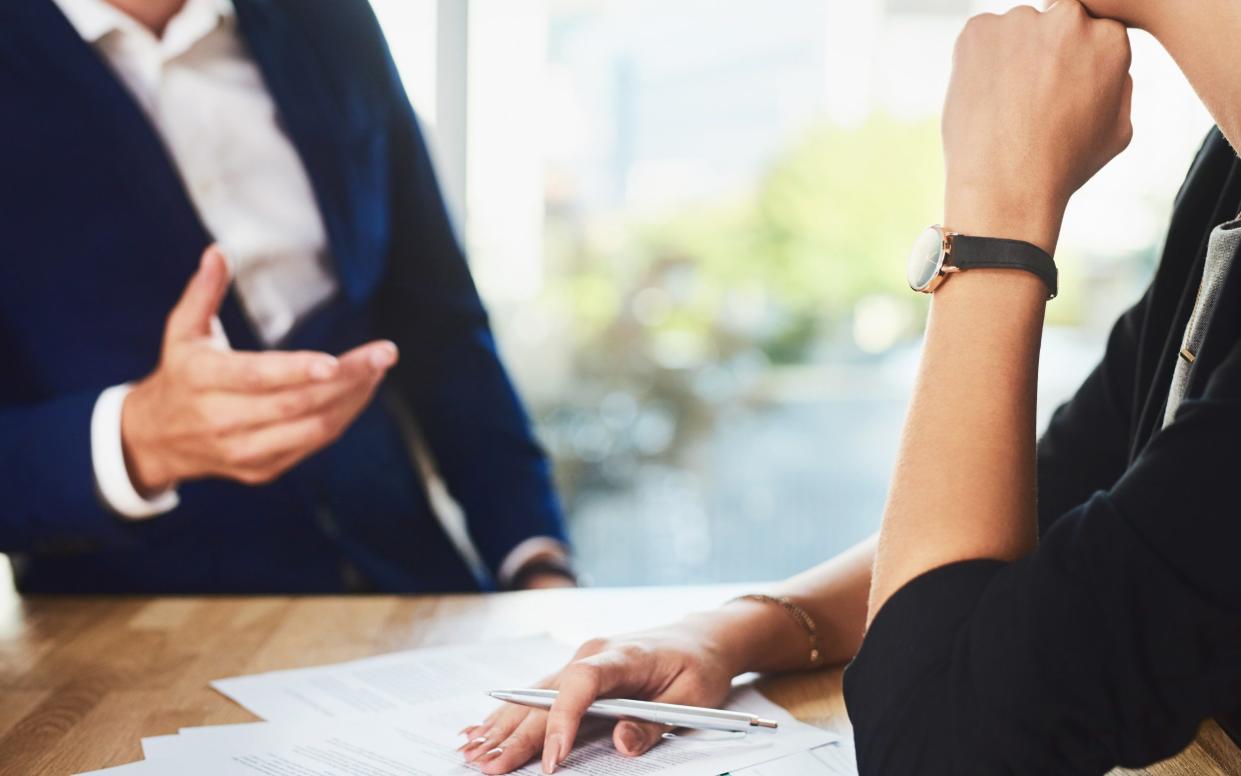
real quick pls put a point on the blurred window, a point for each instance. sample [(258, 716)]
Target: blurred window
[(689, 218)]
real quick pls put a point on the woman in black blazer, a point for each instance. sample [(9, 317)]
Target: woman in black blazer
[(1062, 611)]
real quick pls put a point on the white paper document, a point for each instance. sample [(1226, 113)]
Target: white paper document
[(400, 715), (422, 741), (395, 681), (834, 759)]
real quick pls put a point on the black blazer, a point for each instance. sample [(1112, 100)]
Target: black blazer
[(1112, 641)]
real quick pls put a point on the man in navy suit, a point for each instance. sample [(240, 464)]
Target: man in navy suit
[(201, 201)]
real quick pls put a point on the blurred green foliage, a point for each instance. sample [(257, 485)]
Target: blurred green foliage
[(832, 221), (779, 267)]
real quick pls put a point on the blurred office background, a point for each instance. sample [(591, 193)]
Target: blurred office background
[(689, 219)]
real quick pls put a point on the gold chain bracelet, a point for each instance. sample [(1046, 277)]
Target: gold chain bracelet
[(799, 615)]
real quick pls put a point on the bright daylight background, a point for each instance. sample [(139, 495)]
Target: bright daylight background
[(689, 219)]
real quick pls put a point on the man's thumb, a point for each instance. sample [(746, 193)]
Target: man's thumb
[(192, 316)]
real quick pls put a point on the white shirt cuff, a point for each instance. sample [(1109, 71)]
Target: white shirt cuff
[(534, 547), (108, 457)]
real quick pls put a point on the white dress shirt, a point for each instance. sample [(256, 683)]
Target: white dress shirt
[(206, 97)]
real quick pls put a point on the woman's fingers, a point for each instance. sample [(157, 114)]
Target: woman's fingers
[(499, 726), (518, 748), (496, 728), (634, 738), (475, 736), (580, 684)]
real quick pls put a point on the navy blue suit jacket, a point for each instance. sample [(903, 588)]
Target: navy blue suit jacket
[(98, 238)]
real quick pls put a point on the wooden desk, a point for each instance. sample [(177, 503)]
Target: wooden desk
[(82, 679)]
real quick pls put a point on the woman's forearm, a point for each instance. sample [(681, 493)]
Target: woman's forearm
[(765, 638), (964, 481), (834, 593), (1037, 104)]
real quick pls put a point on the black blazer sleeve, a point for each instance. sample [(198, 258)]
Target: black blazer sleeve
[(1086, 445), (1106, 646)]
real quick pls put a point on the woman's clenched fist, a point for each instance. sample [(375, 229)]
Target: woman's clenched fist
[(1038, 103)]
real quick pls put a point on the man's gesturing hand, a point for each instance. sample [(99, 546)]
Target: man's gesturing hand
[(207, 411), (1038, 103)]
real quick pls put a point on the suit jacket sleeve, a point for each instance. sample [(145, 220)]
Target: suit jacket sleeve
[(450, 372), (1086, 445), (48, 478), (1106, 646)]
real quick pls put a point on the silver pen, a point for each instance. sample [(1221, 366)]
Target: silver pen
[(669, 714)]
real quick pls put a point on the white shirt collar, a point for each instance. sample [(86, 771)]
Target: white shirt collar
[(95, 19)]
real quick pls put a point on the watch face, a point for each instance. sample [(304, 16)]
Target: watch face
[(926, 259)]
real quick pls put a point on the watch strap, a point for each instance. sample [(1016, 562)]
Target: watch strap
[(1000, 253), (560, 567)]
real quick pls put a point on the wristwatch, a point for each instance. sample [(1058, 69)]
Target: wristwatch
[(939, 253)]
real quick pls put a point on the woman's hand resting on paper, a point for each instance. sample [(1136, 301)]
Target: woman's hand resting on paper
[(691, 662), (687, 663)]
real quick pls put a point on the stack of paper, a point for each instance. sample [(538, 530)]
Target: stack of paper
[(400, 715)]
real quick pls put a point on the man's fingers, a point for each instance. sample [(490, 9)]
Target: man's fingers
[(250, 372), (266, 411), (231, 413), (380, 354), (258, 456), (353, 374), (191, 318), (253, 372)]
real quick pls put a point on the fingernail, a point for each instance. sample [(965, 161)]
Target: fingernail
[(476, 750), (384, 356), (551, 752), (473, 743), (203, 268), (217, 252), (630, 740), (493, 754), (323, 370)]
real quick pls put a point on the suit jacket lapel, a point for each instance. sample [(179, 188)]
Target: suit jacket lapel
[(300, 85), (1208, 198), (64, 65), (34, 34), (1223, 332)]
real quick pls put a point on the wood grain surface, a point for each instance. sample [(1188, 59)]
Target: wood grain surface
[(83, 679)]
